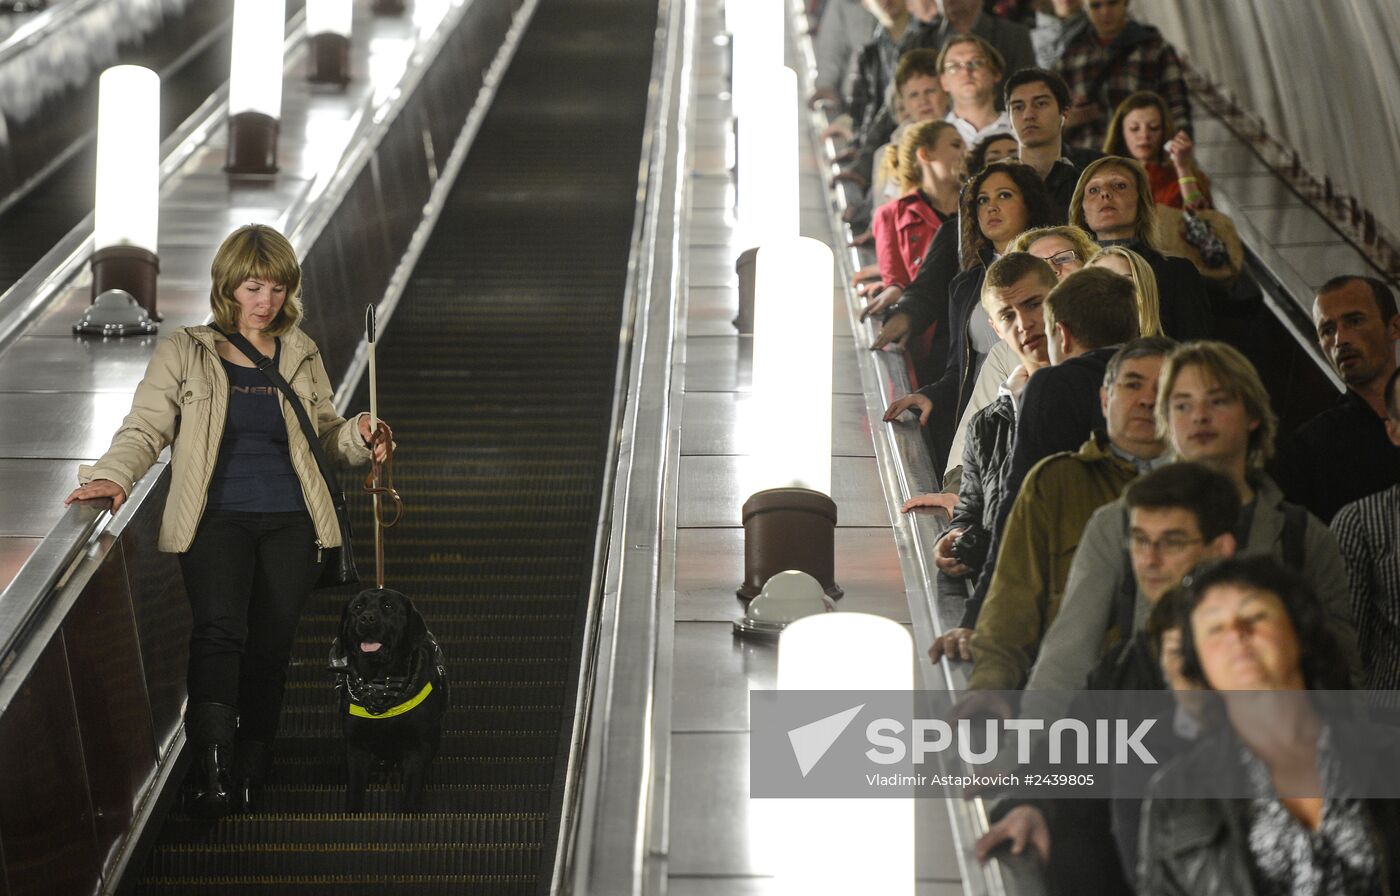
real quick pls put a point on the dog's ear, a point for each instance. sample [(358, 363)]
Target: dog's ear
[(416, 627)]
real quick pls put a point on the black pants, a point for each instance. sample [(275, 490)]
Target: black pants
[(247, 576)]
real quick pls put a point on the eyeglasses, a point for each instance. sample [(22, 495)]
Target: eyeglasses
[(1060, 259), (971, 65), (1166, 546)]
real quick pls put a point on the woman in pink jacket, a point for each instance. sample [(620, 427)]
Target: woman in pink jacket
[(930, 156)]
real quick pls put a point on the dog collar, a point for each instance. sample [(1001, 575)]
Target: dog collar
[(360, 712)]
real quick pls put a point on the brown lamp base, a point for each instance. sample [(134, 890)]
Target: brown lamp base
[(387, 7), (128, 268), (252, 144), (330, 59), (745, 266), (789, 528)]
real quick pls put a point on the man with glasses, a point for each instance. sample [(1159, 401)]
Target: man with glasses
[(945, 20), (971, 68), (1179, 516), (1038, 103), (1216, 412)]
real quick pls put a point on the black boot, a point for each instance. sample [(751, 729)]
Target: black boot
[(252, 761), (210, 728)]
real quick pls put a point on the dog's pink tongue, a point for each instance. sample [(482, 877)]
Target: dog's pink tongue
[(369, 646)]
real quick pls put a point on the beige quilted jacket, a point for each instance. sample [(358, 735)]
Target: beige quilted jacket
[(183, 399)]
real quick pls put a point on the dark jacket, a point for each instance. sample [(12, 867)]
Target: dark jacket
[(1341, 455), (985, 452), (951, 391), (1059, 406), (1081, 156), (872, 78), (1063, 178), (1081, 829), (1191, 845), (1059, 410), (1182, 294)]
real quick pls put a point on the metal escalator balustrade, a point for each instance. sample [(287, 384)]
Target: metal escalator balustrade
[(497, 373), (47, 162)]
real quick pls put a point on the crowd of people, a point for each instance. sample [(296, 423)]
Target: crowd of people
[(1123, 507)]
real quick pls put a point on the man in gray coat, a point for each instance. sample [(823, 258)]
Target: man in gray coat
[(1216, 412)]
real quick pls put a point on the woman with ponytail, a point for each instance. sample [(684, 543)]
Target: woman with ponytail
[(929, 158)]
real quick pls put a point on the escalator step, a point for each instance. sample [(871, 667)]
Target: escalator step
[(333, 828), (497, 372)]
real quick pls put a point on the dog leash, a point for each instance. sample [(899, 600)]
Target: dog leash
[(380, 480)]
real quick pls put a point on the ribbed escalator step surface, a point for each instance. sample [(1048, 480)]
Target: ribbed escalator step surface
[(497, 372)]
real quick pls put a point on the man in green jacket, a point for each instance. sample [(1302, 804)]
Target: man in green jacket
[(1059, 495)]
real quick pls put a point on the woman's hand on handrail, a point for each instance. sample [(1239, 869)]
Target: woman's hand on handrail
[(98, 488), (886, 299)]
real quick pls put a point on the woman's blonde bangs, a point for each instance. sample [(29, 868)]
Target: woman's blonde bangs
[(255, 251)]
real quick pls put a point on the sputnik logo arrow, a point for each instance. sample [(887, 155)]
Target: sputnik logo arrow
[(811, 741)]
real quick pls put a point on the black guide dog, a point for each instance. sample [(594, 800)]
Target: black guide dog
[(392, 686)]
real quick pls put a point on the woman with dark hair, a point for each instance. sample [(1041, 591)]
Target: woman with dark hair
[(992, 148), (1113, 201), (1251, 625), (1003, 200), (1140, 130)]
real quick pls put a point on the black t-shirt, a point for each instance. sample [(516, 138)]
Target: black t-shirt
[(254, 471)]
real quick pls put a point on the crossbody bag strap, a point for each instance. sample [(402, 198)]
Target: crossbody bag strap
[(264, 364)]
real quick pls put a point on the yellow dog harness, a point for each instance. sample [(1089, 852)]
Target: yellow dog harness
[(360, 712)]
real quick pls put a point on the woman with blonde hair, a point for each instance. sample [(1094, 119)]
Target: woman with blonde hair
[(1122, 260), (1113, 201), (1064, 247), (930, 155), (248, 511)]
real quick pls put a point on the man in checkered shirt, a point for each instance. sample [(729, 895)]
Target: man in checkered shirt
[(1111, 59), (1368, 533)]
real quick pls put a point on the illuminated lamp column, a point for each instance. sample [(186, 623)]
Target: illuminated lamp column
[(768, 198), (125, 208), (328, 24), (789, 518), (828, 847), (255, 86)]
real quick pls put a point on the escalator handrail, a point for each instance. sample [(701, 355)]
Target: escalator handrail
[(82, 532), (44, 24), (1287, 294), (612, 782)]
